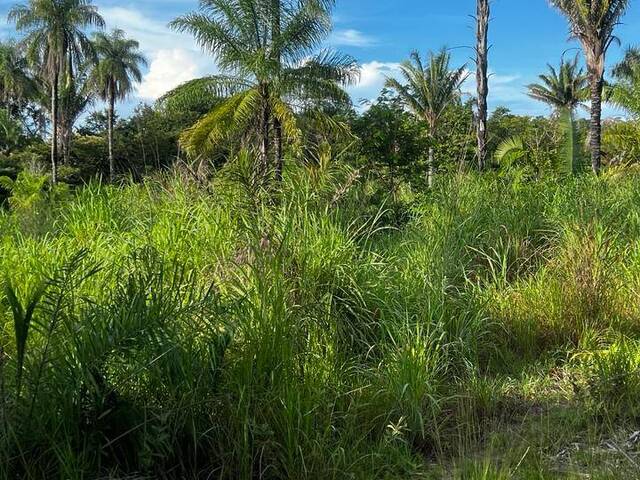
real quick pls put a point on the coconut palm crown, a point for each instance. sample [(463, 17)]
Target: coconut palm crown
[(115, 74), (271, 69), (427, 90), (562, 88)]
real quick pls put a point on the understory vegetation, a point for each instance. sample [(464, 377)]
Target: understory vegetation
[(486, 329), (255, 277)]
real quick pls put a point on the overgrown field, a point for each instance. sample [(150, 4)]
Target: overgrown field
[(488, 329)]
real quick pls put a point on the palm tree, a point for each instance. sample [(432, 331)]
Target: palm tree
[(593, 22), (482, 81), (57, 42), (10, 132), (271, 70), (625, 93), (629, 66), (564, 90), (15, 82), (74, 98), (428, 91), (113, 78)]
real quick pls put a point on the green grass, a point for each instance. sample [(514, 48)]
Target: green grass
[(485, 330)]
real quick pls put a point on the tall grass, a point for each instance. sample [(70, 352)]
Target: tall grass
[(166, 330)]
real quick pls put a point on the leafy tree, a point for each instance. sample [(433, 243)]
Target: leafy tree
[(95, 124), (113, 78), (534, 151), (621, 142), (148, 140), (391, 139), (74, 99), (428, 91), (593, 22), (456, 138), (57, 42), (621, 139), (15, 81), (523, 141), (564, 90), (271, 70), (10, 132)]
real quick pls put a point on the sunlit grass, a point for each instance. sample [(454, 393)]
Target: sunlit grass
[(478, 331)]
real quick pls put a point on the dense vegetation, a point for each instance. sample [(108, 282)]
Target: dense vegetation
[(489, 326), (251, 278)]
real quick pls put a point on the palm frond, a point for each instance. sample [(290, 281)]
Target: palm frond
[(211, 130), (429, 89), (510, 151)]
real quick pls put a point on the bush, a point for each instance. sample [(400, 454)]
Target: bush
[(215, 329)]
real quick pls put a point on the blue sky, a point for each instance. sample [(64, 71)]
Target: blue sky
[(525, 34)]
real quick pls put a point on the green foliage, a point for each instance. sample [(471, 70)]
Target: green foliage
[(593, 24), (510, 152), (11, 135), (119, 65), (430, 88), (268, 54), (393, 142), (428, 91), (625, 93), (569, 161), (613, 379), (565, 88), (539, 144), (343, 325), (22, 318), (16, 85), (31, 198), (621, 142), (192, 329)]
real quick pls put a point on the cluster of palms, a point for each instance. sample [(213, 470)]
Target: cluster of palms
[(564, 89), (267, 49), (430, 88), (63, 69), (273, 69)]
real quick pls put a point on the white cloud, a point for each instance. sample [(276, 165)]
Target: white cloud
[(504, 89), (174, 58), (501, 87), (351, 38), (167, 70), (373, 76), (375, 73)]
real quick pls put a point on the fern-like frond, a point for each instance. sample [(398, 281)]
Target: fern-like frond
[(510, 151), (211, 130)]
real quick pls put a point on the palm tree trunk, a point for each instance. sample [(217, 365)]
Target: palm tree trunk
[(276, 28), (110, 116), (54, 127), (595, 139), (569, 148), (265, 118), (65, 141), (277, 140), (482, 51)]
